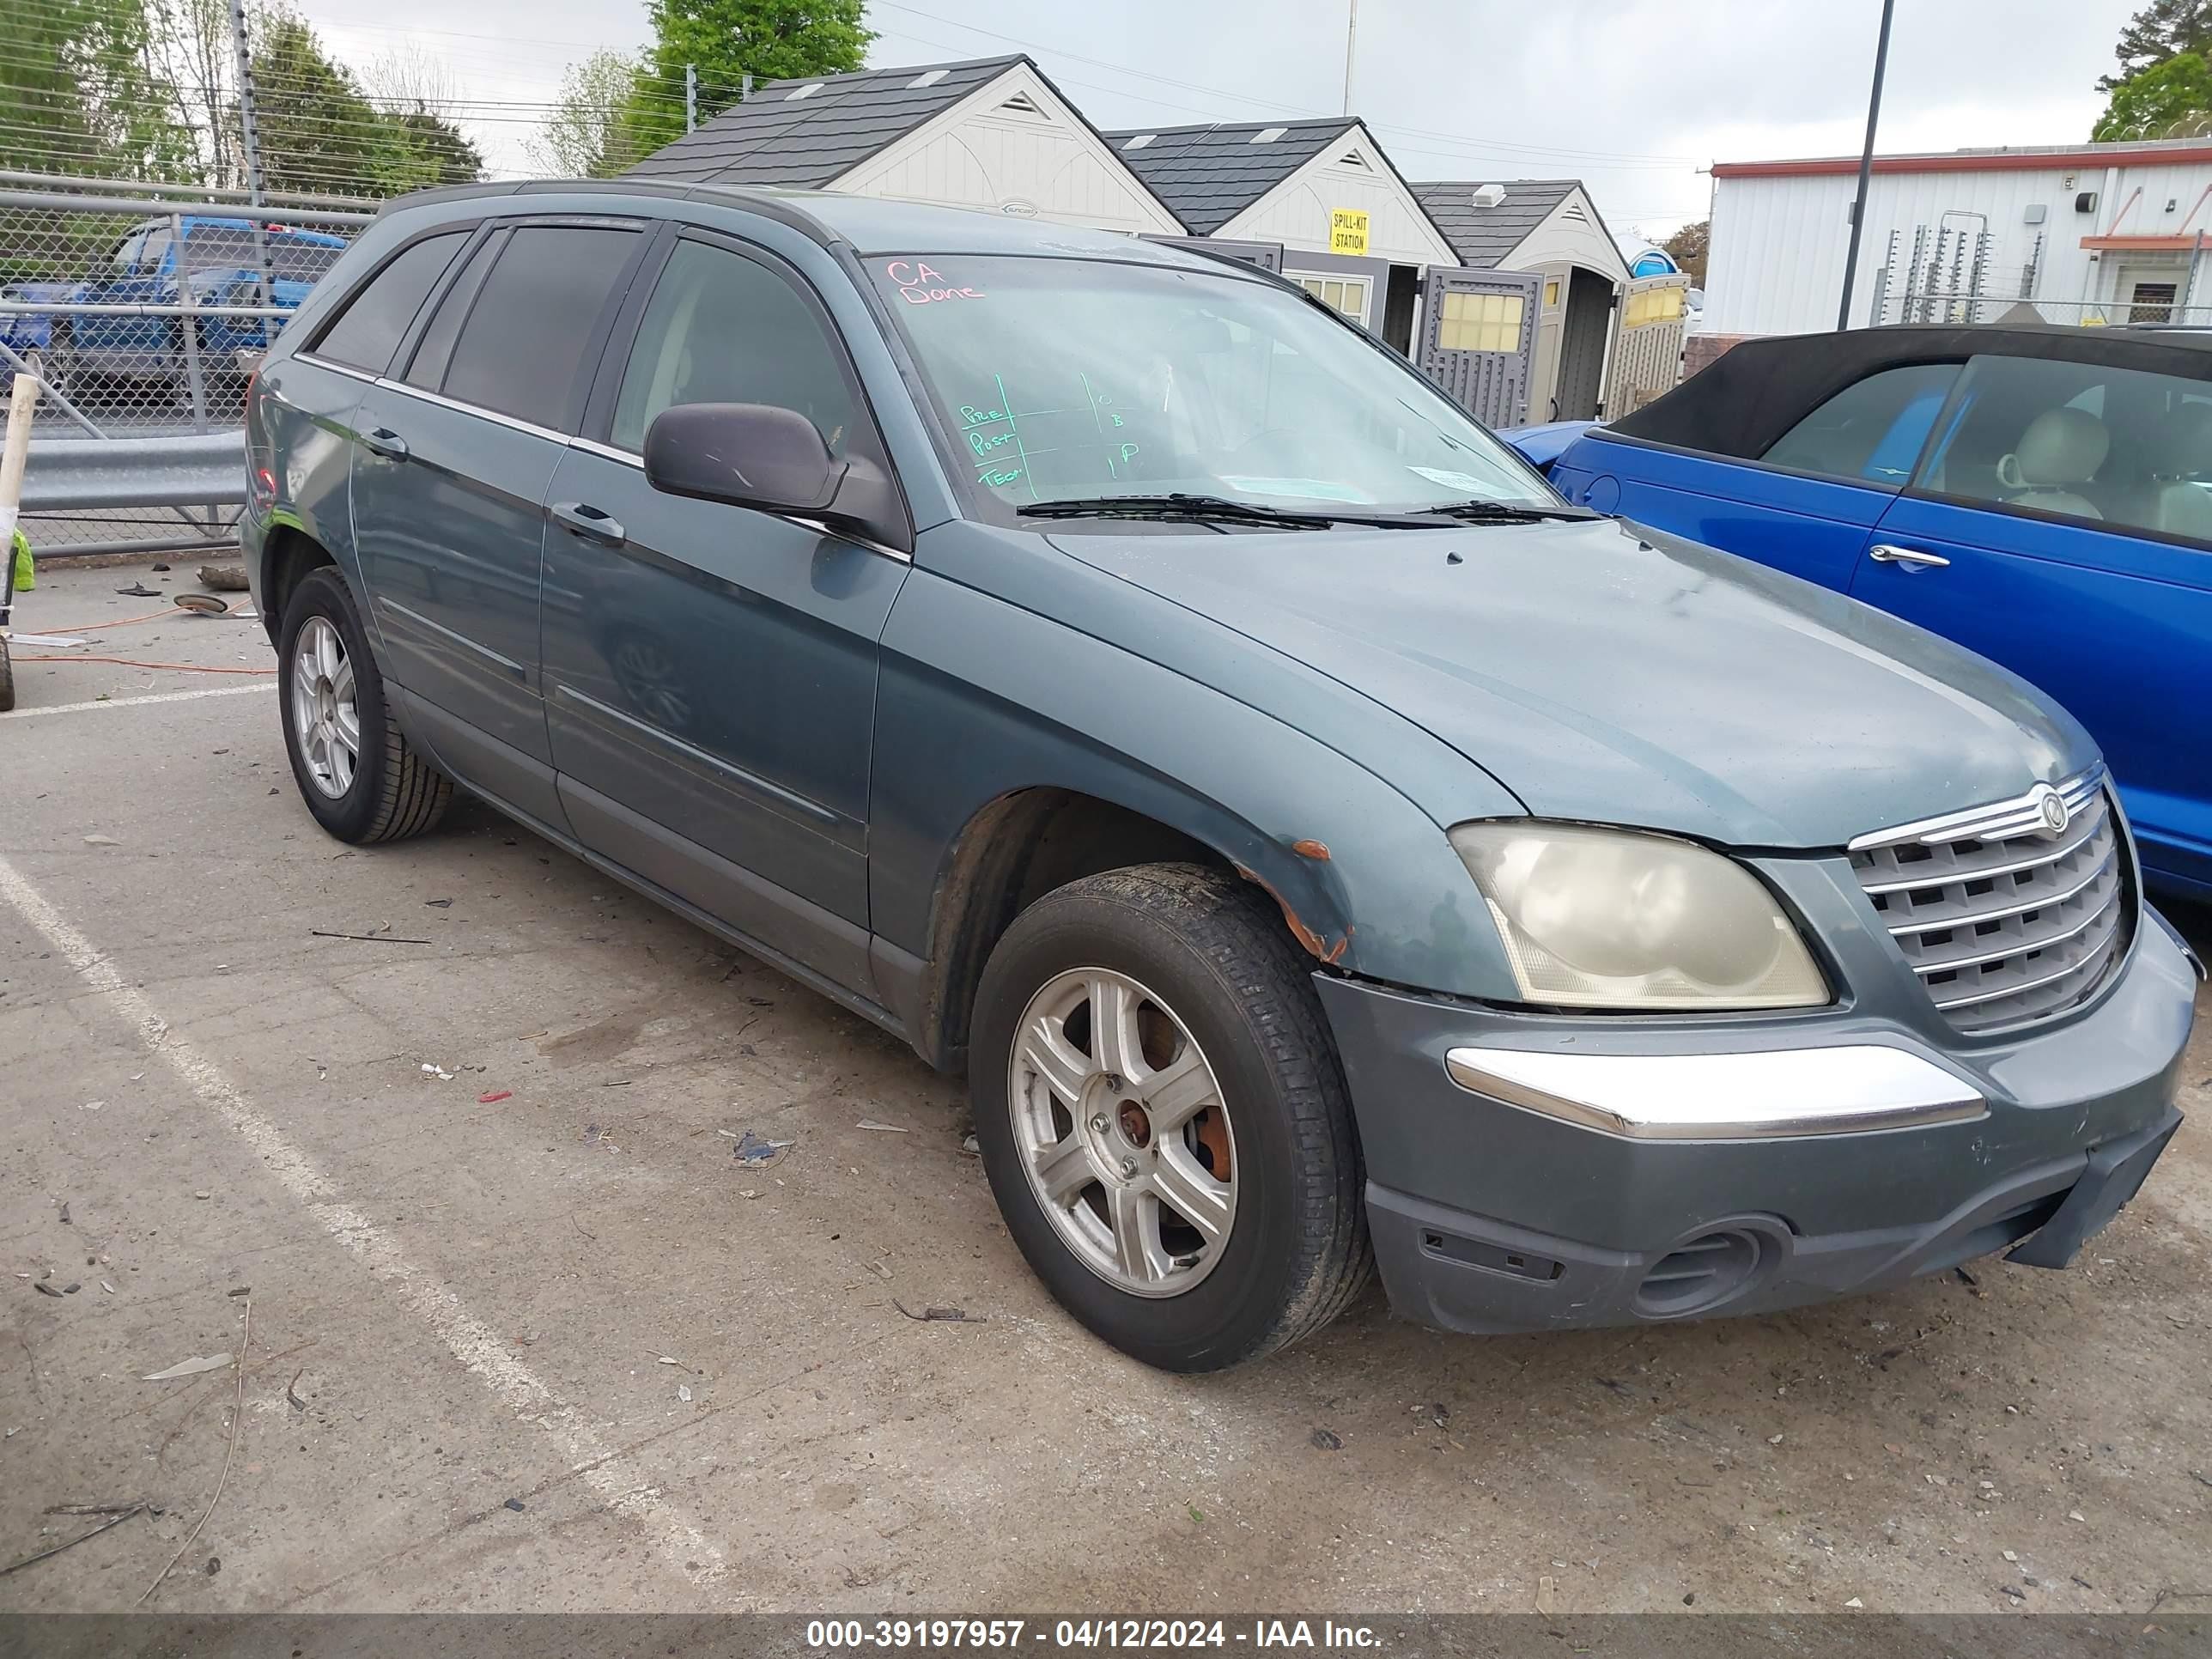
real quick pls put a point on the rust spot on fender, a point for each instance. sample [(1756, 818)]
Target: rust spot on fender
[(1316, 945), (1311, 850)]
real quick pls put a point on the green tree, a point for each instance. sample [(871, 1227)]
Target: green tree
[(77, 95), (422, 149), (2162, 29), (1687, 248), (318, 131), (589, 134), (2172, 99), (725, 40)]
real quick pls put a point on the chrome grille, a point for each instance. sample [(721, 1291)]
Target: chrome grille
[(2005, 921)]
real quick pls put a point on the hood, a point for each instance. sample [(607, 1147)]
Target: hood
[(1601, 678)]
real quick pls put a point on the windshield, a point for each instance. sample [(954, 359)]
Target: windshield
[(1068, 379)]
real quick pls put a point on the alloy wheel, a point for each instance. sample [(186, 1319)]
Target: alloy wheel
[(1122, 1132), (326, 716)]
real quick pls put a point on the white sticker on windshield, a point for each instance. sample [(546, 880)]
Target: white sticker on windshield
[(1486, 488), (1303, 489)]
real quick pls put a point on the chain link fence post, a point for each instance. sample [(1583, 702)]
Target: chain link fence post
[(249, 141)]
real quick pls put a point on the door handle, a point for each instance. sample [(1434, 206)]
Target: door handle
[(384, 441), (582, 519), (1882, 553)]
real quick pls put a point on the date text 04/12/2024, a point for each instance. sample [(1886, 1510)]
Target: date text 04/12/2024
[(833, 1635)]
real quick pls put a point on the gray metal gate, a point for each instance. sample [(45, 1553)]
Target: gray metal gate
[(1268, 256), (1647, 345), (1479, 340)]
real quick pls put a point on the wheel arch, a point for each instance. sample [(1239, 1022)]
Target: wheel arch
[(1026, 843), (288, 554)]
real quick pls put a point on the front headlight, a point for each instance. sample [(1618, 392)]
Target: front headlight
[(1614, 918)]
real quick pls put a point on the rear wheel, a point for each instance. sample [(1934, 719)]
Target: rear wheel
[(1164, 1119), (355, 769)]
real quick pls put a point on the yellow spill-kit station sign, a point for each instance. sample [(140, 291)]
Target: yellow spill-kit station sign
[(1347, 230)]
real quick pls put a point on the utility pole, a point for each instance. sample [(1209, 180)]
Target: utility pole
[(1351, 40), (690, 97), (250, 144), (1866, 164)]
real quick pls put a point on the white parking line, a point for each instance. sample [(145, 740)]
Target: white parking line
[(136, 702), (471, 1341)]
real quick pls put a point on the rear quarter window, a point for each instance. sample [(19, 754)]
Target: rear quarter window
[(369, 329)]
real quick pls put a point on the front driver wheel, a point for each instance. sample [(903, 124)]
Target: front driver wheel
[(355, 769), (1163, 1119)]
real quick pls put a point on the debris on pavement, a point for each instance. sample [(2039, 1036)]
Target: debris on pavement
[(65, 1220), (140, 590), (117, 1514), (101, 840), (191, 1367), (205, 604), (515, 1504), (44, 1289), (237, 1419), (495, 1097), (1546, 1589), (940, 1316), (365, 938), (223, 578), (292, 1390), (753, 1152), (1327, 1440), (438, 1072), (969, 1145), (683, 1392), (880, 1128)]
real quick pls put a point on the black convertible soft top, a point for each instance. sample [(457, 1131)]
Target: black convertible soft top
[(1753, 394)]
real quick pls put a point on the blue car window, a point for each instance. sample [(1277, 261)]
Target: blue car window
[(1871, 430), (2123, 447)]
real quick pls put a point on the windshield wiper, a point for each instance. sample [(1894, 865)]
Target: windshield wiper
[(1179, 505), (1484, 511)]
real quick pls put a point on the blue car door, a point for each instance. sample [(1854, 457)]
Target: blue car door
[(2061, 524), (1806, 506)]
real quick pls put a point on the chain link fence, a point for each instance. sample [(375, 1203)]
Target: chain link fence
[(142, 310)]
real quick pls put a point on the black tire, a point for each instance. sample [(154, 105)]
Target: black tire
[(395, 793), (6, 670), (1214, 951)]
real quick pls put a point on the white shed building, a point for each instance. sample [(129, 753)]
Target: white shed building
[(992, 133), (2082, 233)]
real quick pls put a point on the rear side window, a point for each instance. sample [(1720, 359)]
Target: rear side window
[(368, 331), (435, 349), (525, 336), (1871, 431)]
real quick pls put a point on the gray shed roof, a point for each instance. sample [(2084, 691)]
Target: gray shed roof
[(773, 138), (1485, 236), (1208, 175)]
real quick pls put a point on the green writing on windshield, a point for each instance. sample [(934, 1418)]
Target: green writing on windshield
[(1051, 436)]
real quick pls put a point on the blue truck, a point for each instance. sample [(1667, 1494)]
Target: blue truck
[(159, 263)]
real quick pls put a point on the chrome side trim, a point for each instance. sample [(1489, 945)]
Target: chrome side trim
[(385, 382), (1757, 1095), (1993, 821), (607, 452), (361, 375)]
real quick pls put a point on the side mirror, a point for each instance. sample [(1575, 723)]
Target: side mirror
[(746, 454)]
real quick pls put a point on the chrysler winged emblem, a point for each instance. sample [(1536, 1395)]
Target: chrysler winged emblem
[(2050, 806)]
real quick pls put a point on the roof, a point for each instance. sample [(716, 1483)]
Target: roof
[(871, 225), (2037, 158), (776, 138), (1208, 174), (1484, 236), (1747, 398)]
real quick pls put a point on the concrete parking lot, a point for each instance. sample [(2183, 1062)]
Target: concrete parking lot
[(521, 1331)]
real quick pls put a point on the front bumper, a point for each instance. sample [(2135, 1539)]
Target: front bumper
[(1563, 1195)]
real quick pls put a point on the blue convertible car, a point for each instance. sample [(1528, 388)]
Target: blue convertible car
[(2042, 495)]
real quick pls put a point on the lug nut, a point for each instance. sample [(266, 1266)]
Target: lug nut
[(1098, 1123), (1129, 1167)]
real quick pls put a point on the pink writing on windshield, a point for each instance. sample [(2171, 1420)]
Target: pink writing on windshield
[(920, 283)]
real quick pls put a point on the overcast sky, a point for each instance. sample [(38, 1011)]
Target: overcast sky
[(1634, 96)]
